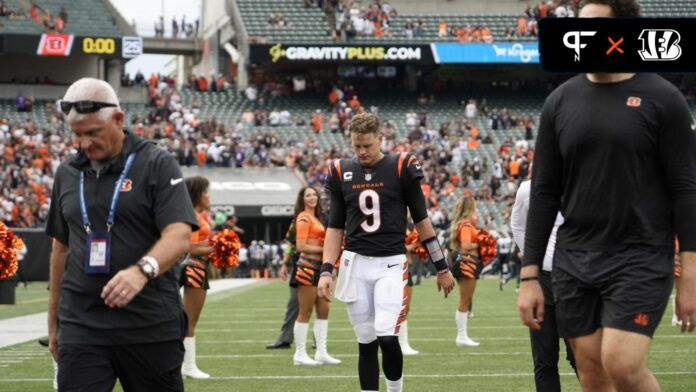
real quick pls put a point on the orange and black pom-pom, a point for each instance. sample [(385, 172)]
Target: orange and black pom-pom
[(487, 246), (226, 246), (10, 245)]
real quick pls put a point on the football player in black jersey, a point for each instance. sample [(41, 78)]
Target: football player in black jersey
[(370, 195)]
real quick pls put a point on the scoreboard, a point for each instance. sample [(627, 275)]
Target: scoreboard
[(72, 45)]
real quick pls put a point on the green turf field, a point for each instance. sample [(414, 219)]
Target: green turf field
[(236, 325)]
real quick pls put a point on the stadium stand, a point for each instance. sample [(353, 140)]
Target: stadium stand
[(84, 17), (213, 128), (303, 24)]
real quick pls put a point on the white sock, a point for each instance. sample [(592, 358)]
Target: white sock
[(395, 386)]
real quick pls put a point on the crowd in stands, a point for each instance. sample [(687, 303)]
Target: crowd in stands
[(158, 82), (278, 20), (351, 20), (465, 33), (527, 24), (181, 29), (348, 19), (30, 153), (52, 21)]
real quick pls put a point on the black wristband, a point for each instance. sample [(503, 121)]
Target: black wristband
[(432, 245), (528, 278), (441, 265), (326, 267)]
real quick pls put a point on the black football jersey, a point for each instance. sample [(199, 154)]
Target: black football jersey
[(370, 203)]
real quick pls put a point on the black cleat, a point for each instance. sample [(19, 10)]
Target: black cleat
[(276, 345), (44, 341)]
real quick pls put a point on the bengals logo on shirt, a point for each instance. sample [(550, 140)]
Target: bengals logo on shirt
[(633, 102), (127, 185)]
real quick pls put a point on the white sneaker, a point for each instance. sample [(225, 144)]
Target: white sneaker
[(466, 341), (326, 359), (676, 322), (304, 360)]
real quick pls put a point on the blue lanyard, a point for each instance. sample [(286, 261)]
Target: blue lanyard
[(114, 199)]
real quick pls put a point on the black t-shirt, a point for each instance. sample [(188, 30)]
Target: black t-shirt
[(370, 203), (152, 197), (619, 161)]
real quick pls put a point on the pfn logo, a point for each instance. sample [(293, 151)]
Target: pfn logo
[(660, 45), (576, 43)]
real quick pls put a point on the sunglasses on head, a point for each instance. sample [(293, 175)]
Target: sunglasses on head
[(84, 107)]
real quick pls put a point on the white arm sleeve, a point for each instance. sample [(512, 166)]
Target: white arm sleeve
[(518, 219)]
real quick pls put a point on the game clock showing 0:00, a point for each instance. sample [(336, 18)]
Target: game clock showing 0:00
[(98, 45)]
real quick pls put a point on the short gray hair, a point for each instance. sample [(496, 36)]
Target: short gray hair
[(91, 89)]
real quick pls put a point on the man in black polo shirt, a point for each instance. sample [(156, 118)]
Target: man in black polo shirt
[(616, 155), (120, 216)]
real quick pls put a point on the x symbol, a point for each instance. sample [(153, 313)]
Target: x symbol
[(615, 45)]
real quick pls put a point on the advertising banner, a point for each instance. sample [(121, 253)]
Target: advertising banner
[(496, 53), (336, 53)]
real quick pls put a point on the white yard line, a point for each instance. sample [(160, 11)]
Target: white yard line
[(336, 377), (31, 327)]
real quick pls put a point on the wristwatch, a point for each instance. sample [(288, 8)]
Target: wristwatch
[(148, 266)]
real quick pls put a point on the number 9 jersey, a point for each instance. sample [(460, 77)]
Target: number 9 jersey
[(370, 203)]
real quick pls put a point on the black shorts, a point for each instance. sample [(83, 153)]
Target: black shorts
[(139, 367), (194, 273), (307, 272), (626, 290), (467, 267)]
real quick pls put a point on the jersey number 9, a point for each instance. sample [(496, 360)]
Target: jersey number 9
[(371, 212)]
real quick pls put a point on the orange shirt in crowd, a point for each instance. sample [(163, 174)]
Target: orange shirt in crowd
[(201, 158), (317, 122), (462, 34), (474, 132), (473, 144), (514, 168), (522, 25), (486, 35), (354, 103), (333, 97)]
